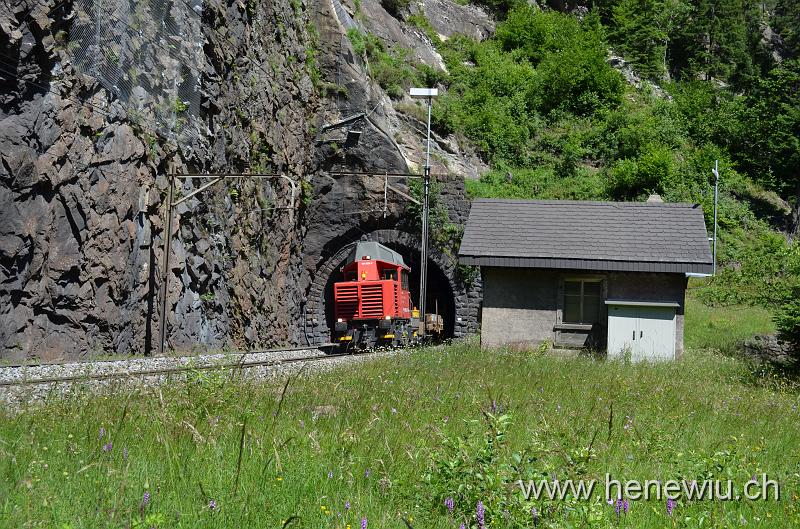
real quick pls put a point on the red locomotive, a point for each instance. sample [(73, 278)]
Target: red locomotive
[(373, 303)]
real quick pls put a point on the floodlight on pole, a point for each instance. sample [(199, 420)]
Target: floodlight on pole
[(429, 94)]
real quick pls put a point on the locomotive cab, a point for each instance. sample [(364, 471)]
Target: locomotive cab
[(372, 305)]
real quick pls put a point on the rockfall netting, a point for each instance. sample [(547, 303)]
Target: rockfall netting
[(149, 54)]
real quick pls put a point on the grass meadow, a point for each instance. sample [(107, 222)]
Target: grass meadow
[(385, 444), (723, 328)]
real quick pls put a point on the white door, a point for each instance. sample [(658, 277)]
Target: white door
[(656, 339), (646, 332), (622, 329)]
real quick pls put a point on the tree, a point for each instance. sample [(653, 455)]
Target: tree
[(787, 317), (644, 29), (787, 24), (721, 39), (770, 147)]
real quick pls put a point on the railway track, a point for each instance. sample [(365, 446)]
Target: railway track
[(101, 361), (23, 386), (182, 369)]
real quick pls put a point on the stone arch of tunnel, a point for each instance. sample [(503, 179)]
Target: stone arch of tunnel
[(458, 303)]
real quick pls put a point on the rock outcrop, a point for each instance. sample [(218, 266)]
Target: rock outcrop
[(83, 190), (83, 185), (769, 349)]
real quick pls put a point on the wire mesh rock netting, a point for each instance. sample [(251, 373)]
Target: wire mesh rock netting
[(149, 54)]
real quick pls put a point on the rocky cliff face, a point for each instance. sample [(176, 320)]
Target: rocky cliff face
[(83, 186)]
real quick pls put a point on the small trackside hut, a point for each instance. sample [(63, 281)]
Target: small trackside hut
[(600, 275), (372, 305)]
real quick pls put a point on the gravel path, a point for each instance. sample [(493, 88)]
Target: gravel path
[(19, 386)]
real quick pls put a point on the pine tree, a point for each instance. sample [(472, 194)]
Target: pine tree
[(787, 24), (643, 32)]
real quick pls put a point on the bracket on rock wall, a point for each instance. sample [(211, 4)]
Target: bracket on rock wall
[(215, 178), (386, 185), (220, 177)]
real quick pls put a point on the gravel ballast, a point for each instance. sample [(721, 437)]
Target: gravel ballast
[(24, 386)]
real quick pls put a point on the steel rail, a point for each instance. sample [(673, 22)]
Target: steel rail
[(180, 369), (157, 357)]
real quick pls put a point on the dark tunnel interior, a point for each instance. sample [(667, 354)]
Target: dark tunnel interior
[(439, 292)]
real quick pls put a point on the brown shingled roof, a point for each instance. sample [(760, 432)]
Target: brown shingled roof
[(621, 236)]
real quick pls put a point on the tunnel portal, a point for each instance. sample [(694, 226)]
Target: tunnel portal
[(457, 303)]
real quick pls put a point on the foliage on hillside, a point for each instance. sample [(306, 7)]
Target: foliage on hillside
[(542, 105), (555, 120)]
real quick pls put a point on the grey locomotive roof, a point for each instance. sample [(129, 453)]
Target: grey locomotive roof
[(619, 236), (375, 251)]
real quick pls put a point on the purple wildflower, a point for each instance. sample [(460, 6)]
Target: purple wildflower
[(618, 506), (125, 454), (347, 505), (535, 515), (330, 474), (108, 446), (366, 473), (494, 406), (670, 506), (450, 504), (146, 498), (212, 505), (462, 526), (101, 433), (480, 514), (364, 522), (625, 506)]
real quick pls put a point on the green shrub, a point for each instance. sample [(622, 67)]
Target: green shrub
[(540, 66), (498, 7), (762, 269), (569, 55), (419, 20), (392, 68), (539, 183), (787, 319), (652, 172)]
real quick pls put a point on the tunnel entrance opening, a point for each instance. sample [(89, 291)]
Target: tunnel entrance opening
[(440, 294)]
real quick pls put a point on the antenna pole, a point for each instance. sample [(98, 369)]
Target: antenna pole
[(423, 274), (716, 200)]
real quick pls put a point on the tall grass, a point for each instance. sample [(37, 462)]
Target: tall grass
[(219, 451), (723, 328)]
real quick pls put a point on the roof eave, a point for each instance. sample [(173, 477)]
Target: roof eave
[(587, 264)]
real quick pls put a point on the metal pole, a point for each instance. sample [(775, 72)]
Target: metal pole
[(716, 199), (162, 326), (423, 275)]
